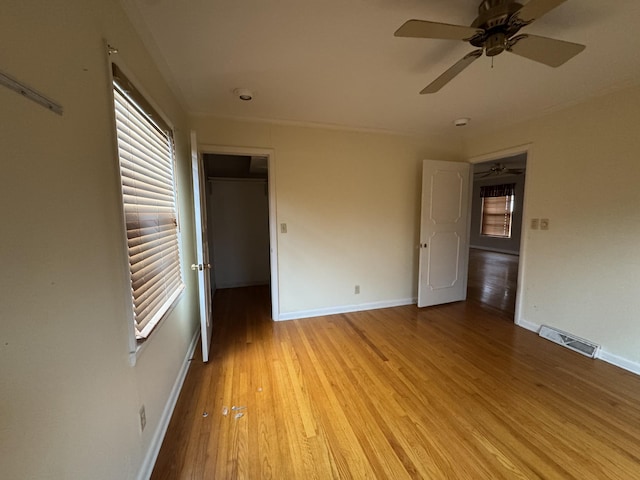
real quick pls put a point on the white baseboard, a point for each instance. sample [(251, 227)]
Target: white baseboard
[(630, 366), (158, 436), (534, 327), (320, 312), (620, 362)]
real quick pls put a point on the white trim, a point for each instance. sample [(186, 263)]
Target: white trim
[(273, 214), (621, 362), (140, 347), (158, 436), (509, 152), (139, 85), (316, 125), (321, 312), (534, 327), (122, 251)]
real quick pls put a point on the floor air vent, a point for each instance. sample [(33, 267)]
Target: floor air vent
[(570, 341)]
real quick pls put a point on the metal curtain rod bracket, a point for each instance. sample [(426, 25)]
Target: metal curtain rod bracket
[(29, 93)]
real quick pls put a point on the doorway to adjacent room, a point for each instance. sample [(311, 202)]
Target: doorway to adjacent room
[(496, 225)]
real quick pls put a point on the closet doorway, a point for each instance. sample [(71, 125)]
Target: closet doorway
[(240, 201)]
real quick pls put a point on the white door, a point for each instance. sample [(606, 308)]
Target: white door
[(443, 233), (202, 266)]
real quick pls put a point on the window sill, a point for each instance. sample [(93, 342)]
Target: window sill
[(142, 345)]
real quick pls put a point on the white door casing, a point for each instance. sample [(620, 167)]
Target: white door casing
[(444, 239), (273, 227), (202, 267), (522, 263)]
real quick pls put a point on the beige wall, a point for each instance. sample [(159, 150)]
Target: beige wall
[(69, 399), (239, 232), (351, 204), (583, 173)]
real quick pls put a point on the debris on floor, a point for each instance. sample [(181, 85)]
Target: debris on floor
[(236, 409)]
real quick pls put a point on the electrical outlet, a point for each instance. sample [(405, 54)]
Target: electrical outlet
[(143, 418), (535, 223), (544, 224), (283, 228), (357, 290)]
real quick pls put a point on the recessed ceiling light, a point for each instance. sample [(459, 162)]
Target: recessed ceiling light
[(461, 122), (243, 94)]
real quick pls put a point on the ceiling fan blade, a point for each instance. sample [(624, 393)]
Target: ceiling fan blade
[(424, 29), (450, 74), (536, 9), (545, 50)]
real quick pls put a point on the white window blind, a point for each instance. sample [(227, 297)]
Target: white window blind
[(496, 216), (145, 151)]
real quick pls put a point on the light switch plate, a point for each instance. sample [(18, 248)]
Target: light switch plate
[(544, 224), (535, 223)]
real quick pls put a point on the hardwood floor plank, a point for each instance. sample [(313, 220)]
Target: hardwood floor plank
[(332, 414), (492, 279), (453, 391)]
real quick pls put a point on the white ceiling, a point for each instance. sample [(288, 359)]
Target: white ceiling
[(336, 62)]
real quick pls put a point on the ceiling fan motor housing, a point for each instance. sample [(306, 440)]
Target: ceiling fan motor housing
[(494, 18)]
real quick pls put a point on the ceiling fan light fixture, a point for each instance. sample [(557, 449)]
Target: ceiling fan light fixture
[(495, 44), (461, 122)]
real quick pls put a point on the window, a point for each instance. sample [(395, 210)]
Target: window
[(146, 157), (497, 210)]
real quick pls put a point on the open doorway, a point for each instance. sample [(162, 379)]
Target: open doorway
[(496, 231), (238, 211), (240, 199)]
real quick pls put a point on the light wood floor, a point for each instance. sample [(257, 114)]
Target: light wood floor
[(493, 279), (447, 392)]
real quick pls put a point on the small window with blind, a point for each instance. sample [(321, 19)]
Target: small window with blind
[(497, 210), (146, 158)]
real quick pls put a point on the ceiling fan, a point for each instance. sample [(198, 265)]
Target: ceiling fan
[(493, 32), (498, 169)]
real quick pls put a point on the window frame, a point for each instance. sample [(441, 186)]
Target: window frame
[(509, 198), (136, 346)]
